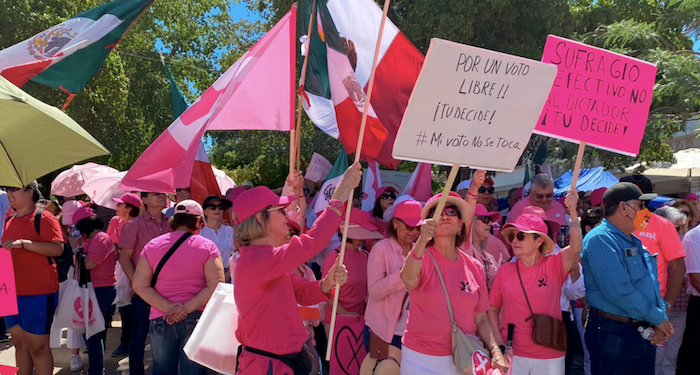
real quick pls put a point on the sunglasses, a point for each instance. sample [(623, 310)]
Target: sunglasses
[(484, 219), (182, 189), (448, 210), (386, 196), (520, 236), (220, 206), (408, 227), (543, 196), (686, 213), (11, 189), (490, 190)]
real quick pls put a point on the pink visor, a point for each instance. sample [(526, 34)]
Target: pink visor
[(409, 212), (254, 200)]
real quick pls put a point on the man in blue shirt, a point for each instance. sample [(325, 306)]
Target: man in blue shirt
[(622, 289)]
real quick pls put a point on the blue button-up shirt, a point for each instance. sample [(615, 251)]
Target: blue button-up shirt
[(619, 279)]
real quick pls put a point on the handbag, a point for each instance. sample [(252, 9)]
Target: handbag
[(79, 308), (546, 331), (378, 348), (463, 345)]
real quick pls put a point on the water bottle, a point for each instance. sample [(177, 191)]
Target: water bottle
[(647, 333), (74, 232)]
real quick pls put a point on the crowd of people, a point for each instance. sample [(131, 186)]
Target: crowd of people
[(527, 285)]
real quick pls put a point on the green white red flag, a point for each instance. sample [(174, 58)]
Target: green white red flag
[(68, 55)]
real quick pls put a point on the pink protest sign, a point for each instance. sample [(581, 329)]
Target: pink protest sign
[(348, 348), (8, 370), (598, 97), (8, 293)]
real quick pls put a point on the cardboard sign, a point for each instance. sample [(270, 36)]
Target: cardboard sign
[(348, 348), (318, 168), (8, 370), (472, 107), (599, 97), (8, 293)]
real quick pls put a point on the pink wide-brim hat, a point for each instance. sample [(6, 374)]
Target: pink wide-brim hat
[(360, 227)]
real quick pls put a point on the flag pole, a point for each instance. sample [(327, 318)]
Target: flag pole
[(358, 152), (577, 166)]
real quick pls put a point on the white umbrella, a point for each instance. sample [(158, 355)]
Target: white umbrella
[(225, 182), (101, 188)]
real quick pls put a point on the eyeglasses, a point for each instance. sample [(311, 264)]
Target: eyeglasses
[(10, 189), (182, 189), (448, 210), (220, 206), (490, 190), (520, 236), (632, 206), (408, 227), (484, 219), (386, 196), (543, 196)]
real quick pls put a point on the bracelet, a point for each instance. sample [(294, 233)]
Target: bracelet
[(335, 210), (469, 193), (413, 255), (575, 224)]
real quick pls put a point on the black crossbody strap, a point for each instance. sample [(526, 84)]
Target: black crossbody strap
[(523, 286), (167, 256)]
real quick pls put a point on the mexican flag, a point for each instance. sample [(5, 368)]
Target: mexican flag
[(398, 66), (68, 55), (325, 194)]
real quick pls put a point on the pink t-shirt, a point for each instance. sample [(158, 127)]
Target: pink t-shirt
[(182, 277), (353, 295), (660, 237), (100, 250), (114, 229), (428, 330), (543, 283), (555, 212), (487, 260)]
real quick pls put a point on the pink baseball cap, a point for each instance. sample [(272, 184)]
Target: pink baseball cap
[(189, 207), (129, 198), (529, 223), (254, 200), (481, 210), (82, 213), (409, 212), (235, 192), (692, 197), (553, 226), (489, 180), (596, 197), (68, 209), (360, 226)]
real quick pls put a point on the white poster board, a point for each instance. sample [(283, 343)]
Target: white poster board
[(473, 107), (319, 167)]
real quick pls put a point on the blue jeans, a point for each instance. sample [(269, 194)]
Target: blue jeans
[(97, 342), (167, 342), (618, 348), (139, 331)]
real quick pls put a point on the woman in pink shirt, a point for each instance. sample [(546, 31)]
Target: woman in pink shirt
[(100, 258), (270, 328), (176, 275), (480, 232), (427, 345), (542, 278), (387, 306)]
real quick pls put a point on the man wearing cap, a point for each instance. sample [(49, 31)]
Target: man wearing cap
[(541, 195), (135, 235), (622, 289), (32, 247)]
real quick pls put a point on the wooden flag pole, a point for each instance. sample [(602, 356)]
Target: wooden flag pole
[(295, 135), (446, 191), (577, 166), (358, 152)]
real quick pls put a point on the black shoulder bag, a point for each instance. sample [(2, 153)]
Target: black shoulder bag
[(167, 256)]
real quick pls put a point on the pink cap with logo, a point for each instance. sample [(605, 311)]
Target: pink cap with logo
[(254, 200)]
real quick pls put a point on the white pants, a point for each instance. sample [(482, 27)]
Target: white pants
[(414, 363), (530, 366), (667, 356), (578, 312)]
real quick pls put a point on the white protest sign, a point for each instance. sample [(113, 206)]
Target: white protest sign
[(318, 168), (473, 107)]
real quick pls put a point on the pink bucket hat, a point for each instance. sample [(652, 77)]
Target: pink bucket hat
[(254, 200), (409, 212), (189, 207), (82, 213), (129, 198), (453, 199), (360, 227), (481, 210), (553, 226), (597, 196), (69, 209), (529, 223)]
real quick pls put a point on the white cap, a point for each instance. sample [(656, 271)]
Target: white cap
[(190, 207), (464, 185)]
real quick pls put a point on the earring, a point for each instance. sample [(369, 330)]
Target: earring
[(394, 228), (459, 233)]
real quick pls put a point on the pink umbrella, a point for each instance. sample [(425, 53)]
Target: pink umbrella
[(102, 187), (225, 182), (69, 182)]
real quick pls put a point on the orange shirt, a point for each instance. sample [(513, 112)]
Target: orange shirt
[(660, 237), (34, 274)]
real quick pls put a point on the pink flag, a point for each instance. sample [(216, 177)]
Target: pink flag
[(420, 185), (256, 93), (373, 182)]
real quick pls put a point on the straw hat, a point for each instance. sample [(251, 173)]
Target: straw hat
[(528, 223), (360, 227), (387, 366), (452, 199)]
